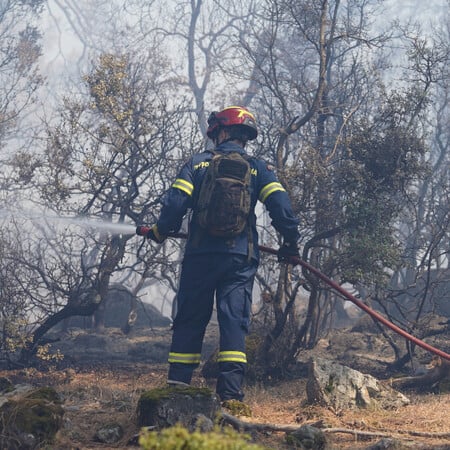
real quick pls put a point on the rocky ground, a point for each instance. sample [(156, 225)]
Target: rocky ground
[(102, 377)]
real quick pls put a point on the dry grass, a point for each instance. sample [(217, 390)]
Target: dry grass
[(103, 393), (98, 396)]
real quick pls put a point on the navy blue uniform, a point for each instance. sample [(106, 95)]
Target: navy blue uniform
[(224, 267)]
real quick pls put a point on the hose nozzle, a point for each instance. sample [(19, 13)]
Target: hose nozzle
[(142, 230)]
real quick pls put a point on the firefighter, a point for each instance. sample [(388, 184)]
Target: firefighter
[(217, 266)]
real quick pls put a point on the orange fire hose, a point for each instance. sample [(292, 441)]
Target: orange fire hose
[(352, 298)]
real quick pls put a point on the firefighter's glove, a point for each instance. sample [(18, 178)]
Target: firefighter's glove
[(151, 233), (288, 253)]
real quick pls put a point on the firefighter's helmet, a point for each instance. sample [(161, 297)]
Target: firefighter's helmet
[(233, 115)]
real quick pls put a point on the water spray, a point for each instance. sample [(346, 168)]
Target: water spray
[(114, 228)]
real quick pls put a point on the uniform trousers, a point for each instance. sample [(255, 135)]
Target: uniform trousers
[(229, 278)]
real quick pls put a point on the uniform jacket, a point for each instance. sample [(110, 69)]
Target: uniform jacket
[(265, 187)]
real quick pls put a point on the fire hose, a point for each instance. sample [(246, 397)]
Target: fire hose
[(374, 314)]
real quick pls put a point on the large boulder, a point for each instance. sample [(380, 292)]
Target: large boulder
[(29, 417), (117, 307), (339, 387), (188, 406)]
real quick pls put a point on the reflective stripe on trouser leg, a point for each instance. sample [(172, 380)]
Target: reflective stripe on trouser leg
[(184, 358), (182, 365), (230, 356)]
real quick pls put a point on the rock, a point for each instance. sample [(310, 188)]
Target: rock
[(308, 437), (109, 434), (201, 423), (333, 385), (168, 406), (117, 307), (30, 419)]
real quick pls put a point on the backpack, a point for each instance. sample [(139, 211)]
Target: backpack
[(224, 198)]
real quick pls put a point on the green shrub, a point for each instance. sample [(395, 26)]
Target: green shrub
[(179, 438), (237, 408)]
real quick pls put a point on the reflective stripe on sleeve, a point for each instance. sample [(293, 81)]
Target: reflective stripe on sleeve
[(184, 358), (269, 189), (183, 185), (231, 356)]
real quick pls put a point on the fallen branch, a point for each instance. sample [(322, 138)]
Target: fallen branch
[(358, 433), (426, 434), (439, 369), (241, 426)]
